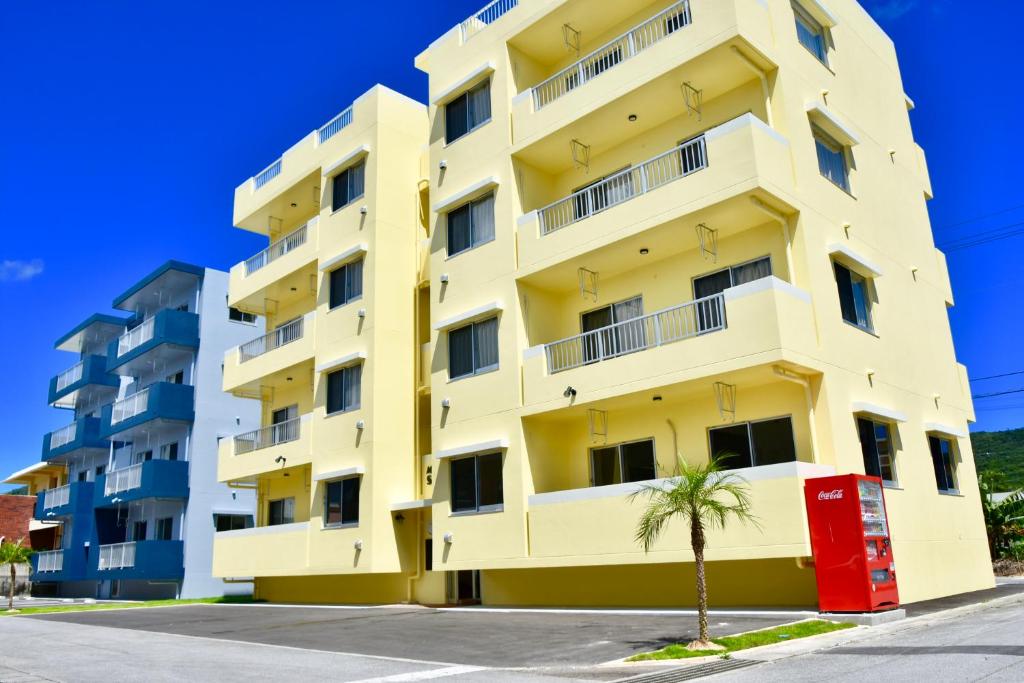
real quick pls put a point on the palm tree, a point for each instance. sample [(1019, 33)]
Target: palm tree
[(14, 554), (705, 497), (1004, 521)]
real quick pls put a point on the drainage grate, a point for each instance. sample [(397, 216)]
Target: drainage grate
[(690, 673)]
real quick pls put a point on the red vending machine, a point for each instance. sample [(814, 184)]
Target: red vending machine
[(853, 558)]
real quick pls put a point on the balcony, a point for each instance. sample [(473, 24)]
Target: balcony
[(721, 179), (261, 551), (83, 433), (425, 372), (165, 479), (69, 564), (480, 20), (167, 337), (266, 360), (562, 523), (248, 455), (65, 501), (85, 382), (756, 324), (146, 560), (714, 46), (290, 262), (158, 403)]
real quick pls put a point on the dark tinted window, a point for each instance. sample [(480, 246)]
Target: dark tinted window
[(638, 461), (773, 441), (463, 484), (467, 111), (341, 501), (477, 483), (732, 444), (942, 462), (346, 283), (344, 388), (347, 186)]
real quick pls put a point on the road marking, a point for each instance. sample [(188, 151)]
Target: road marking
[(425, 675)]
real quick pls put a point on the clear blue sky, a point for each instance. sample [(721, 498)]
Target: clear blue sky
[(126, 126)]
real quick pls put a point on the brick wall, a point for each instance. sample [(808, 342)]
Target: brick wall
[(15, 514)]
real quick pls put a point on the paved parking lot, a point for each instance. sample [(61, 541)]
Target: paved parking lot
[(506, 639)]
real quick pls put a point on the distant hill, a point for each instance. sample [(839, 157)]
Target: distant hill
[(1001, 452)]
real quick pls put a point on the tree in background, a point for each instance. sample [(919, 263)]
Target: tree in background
[(13, 554)]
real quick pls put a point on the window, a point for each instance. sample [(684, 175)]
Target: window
[(164, 529), (139, 530), (711, 317), (854, 298), (473, 349), (602, 193), (608, 334), (476, 484), (811, 34), (343, 389), (753, 444), (83, 476), (281, 511), (471, 225), (467, 112), (341, 502), (169, 451), (241, 316), (348, 186), (100, 469), (623, 463), (428, 555), (944, 463), (876, 445), (176, 378), (141, 456), (346, 283), (832, 160), (232, 522)]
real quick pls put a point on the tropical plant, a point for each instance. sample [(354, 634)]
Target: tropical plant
[(13, 554), (1004, 520), (706, 498)]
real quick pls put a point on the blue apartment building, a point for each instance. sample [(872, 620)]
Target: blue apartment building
[(142, 502)]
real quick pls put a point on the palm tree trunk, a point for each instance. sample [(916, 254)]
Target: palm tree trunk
[(10, 593), (697, 541)]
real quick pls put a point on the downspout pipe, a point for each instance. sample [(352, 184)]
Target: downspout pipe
[(796, 378), (787, 233), (759, 72)]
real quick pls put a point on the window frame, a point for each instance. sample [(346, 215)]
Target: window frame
[(750, 438), (347, 172), (284, 506), (247, 521), (331, 306), (868, 290), (477, 509), (473, 338), (342, 481), (833, 146), (732, 275), (954, 489), (465, 95), (160, 524), (813, 26), (242, 319), (327, 397), (468, 206), (621, 462), (875, 423)]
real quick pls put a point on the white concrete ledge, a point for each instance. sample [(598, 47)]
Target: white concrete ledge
[(946, 430), (348, 359), (469, 316), (534, 351), (849, 257), (465, 83), (763, 285), (412, 505), (744, 121), (887, 414), (470, 449), (349, 159), (265, 530), (820, 12), (529, 217), (339, 474), (831, 124), (466, 194), (350, 254)]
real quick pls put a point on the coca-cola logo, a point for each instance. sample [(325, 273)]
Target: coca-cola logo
[(835, 494)]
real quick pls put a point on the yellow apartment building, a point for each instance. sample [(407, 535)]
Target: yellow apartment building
[(621, 232)]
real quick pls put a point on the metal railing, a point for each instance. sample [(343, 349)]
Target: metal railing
[(70, 376), (267, 174), (129, 407), (55, 498), (117, 556), (681, 161), (613, 53), (50, 561), (489, 14), (293, 240), (285, 334), (332, 127), (63, 436), (629, 336), (276, 434), (123, 480), (136, 337)]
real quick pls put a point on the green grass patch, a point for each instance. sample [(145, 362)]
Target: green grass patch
[(92, 607), (744, 641)]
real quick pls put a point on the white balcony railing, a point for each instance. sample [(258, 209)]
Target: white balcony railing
[(289, 242), (117, 556), (267, 174), (490, 13), (285, 334), (123, 480), (136, 337), (55, 498), (689, 157), (276, 434), (613, 53), (70, 376), (63, 436), (334, 126), (129, 407), (629, 336), (50, 561)]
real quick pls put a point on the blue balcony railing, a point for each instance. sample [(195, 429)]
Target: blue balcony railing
[(168, 328), (82, 433), (90, 372), (147, 560), (159, 401), (152, 479)]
